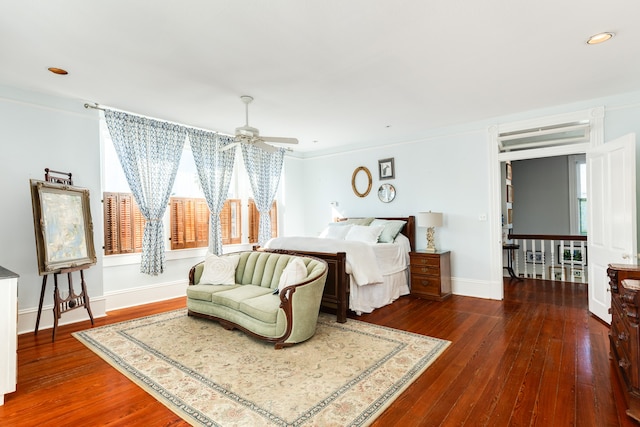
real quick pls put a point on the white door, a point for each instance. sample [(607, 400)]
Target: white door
[(611, 216)]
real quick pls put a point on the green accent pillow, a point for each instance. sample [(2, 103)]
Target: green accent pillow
[(391, 229), (357, 221)]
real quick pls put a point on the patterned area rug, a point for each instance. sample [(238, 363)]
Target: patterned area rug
[(346, 374)]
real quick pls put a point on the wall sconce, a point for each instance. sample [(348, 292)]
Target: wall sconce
[(430, 220)]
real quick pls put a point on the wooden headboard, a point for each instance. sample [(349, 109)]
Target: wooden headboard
[(408, 230)]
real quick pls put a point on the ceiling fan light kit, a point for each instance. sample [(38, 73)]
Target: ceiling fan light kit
[(250, 135)]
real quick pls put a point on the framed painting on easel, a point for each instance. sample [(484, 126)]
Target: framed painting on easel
[(63, 226)]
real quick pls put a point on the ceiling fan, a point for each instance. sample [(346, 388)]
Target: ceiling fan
[(250, 135)]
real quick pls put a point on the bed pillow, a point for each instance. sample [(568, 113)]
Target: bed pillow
[(294, 272), (358, 221), (391, 229), (219, 270), (364, 233), (335, 232)]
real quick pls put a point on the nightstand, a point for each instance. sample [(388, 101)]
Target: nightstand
[(431, 274)]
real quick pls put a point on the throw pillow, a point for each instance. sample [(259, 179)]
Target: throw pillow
[(391, 229), (364, 233), (358, 221), (294, 272), (335, 232), (220, 270)]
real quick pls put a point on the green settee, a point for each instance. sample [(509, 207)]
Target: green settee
[(259, 303)]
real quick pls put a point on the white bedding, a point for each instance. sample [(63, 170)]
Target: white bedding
[(378, 272), (367, 263)]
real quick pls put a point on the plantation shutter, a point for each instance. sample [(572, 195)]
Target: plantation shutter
[(254, 220), (111, 224), (230, 222), (123, 224), (189, 223), (202, 222)]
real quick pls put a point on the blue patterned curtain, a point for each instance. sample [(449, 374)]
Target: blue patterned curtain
[(149, 152), (215, 169), (264, 170)]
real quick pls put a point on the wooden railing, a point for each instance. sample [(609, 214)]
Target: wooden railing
[(550, 257)]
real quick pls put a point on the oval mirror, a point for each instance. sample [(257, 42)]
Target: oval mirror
[(386, 193), (361, 180)]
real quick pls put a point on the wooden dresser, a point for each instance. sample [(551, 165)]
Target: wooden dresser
[(623, 336), (431, 274)]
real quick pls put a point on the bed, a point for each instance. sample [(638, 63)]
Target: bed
[(352, 283)]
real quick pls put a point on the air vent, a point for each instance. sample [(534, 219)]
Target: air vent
[(546, 136)]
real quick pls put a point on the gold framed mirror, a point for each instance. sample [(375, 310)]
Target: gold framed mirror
[(357, 182)]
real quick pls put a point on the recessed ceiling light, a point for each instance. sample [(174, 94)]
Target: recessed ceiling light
[(599, 38), (59, 71)]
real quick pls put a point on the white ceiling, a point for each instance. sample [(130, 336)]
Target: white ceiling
[(339, 72)]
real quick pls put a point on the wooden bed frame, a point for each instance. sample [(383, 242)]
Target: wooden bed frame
[(335, 298)]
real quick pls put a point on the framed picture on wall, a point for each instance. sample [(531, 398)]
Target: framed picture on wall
[(557, 272), (536, 257), (509, 173), (576, 257), (386, 168), (509, 194)]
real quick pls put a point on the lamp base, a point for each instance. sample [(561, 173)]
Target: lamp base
[(431, 247)]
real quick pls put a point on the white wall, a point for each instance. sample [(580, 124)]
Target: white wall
[(447, 174), (541, 196)]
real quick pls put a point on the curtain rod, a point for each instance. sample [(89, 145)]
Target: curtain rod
[(98, 107), (95, 107)]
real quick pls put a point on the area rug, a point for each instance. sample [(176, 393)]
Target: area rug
[(346, 374)]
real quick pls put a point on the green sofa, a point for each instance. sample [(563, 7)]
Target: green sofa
[(255, 304)]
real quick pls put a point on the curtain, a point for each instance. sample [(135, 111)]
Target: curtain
[(215, 169), (149, 152), (264, 170)]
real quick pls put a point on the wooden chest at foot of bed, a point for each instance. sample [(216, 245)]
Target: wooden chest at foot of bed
[(430, 275)]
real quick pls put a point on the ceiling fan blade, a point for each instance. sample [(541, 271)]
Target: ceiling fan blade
[(229, 146), (279, 139), (265, 147)]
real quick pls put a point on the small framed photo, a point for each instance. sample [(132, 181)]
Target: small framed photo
[(536, 257), (509, 194), (557, 272), (386, 168), (577, 257), (509, 173), (577, 274)]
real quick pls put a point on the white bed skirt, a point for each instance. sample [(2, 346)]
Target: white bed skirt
[(365, 299)]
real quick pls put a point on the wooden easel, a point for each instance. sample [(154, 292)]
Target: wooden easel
[(72, 301)]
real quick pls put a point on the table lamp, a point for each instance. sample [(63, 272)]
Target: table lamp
[(430, 220)]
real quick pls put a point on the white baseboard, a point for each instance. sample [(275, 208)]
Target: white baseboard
[(146, 294), (101, 305), (476, 288), (27, 318)]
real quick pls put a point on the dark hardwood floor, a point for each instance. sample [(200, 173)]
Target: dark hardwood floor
[(536, 358)]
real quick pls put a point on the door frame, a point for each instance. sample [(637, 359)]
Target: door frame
[(596, 137)]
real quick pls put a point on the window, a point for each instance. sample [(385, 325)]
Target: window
[(231, 222), (189, 222), (123, 224), (187, 217), (578, 194), (254, 221)]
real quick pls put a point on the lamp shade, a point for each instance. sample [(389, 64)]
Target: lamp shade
[(429, 219)]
